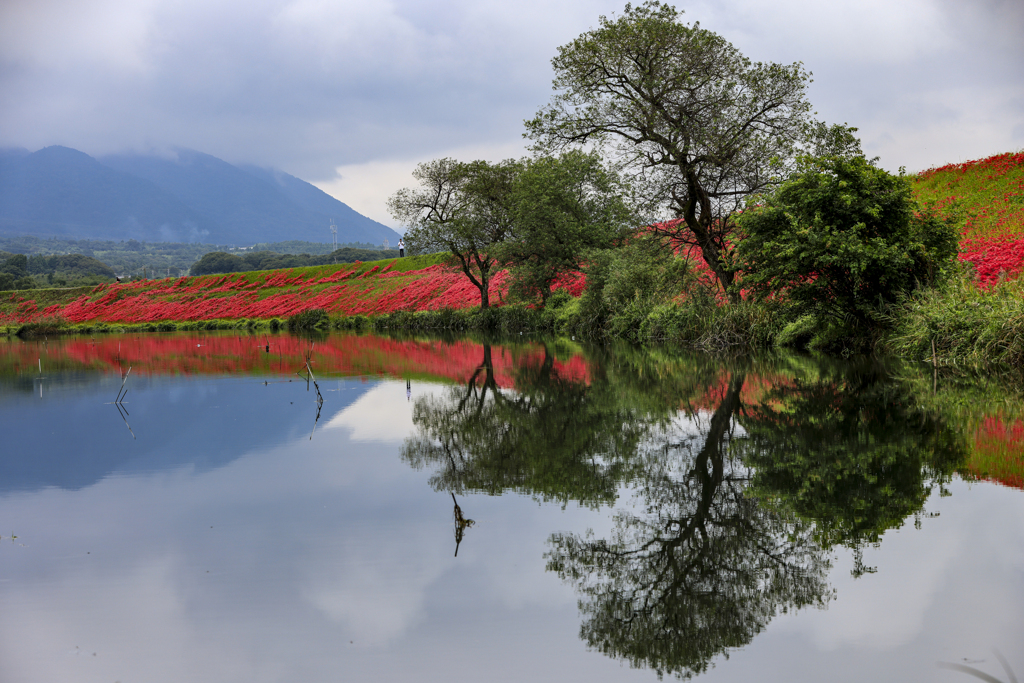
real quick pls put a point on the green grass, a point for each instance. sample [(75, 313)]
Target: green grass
[(966, 324), (990, 193)]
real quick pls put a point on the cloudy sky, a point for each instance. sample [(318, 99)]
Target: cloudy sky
[(351, 95)]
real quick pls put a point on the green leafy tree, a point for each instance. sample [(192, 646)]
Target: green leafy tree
[(564, 208), (841, 239), (218, 262), (16, 265), (462, 208), (700, 126)]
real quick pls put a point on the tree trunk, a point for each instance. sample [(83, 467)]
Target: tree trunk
[(484, 294)]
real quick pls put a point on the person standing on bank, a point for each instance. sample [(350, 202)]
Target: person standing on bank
[(401, 247)]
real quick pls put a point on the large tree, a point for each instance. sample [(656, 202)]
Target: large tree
[(701, 125), (461, 208)]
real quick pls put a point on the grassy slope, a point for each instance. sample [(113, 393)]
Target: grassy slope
[(990, 194), (349, 289), (989, 191)]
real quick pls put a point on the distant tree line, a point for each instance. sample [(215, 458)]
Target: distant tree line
[(223, 262), (302, 247), (133, 258), (18, 271)]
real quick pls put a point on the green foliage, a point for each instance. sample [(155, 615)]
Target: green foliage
[(218, 262), (16, 265), (624, 285), (564, 208), (47, 327), (223, 262), (309, 320), (464, 209), (841, 240), (315, 248), (961, 324), (124, 258)]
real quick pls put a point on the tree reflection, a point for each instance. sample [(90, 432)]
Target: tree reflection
[(702, 569), (556, 437), (742, 476), (461, 524), (849, 450)]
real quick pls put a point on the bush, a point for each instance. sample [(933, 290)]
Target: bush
[(841, 240), (966, 324), (312, 319), (46, 327)]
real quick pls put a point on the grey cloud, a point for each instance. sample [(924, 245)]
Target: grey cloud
[(309, 86)]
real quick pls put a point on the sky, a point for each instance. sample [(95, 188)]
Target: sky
[(352, 95)]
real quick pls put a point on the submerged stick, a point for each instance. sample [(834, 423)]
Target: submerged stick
[(120, 395)]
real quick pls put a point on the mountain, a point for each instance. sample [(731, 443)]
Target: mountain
[(186, 197), (59, 191)]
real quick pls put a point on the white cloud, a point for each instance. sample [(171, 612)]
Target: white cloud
[(376, 416), (366, 186)]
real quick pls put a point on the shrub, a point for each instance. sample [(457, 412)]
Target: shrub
[(46, 327), (966, 324), (841, 240), (311, 319)]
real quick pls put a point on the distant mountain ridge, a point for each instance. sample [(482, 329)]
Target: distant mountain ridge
[(187, 197)]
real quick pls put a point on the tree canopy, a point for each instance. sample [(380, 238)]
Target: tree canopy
[(841, 239), (564, 207), (701, 126), (462, 208)]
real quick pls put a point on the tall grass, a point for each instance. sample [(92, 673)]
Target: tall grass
[(961, 324)]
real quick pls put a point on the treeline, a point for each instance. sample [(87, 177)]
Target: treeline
[(132, 258), (223, 262), (302, 247), (18, 271)]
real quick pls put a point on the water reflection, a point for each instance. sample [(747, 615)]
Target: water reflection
[(558, 435), (461, 524), (700, 502), (851, 450), (745, 473), (703, 567)]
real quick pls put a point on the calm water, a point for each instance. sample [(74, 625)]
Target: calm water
[(459, 511)]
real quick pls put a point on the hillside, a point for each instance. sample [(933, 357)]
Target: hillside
[(187, 197), (414, 283), (990, 195)]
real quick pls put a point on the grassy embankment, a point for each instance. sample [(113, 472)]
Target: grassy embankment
[(976, 319)]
